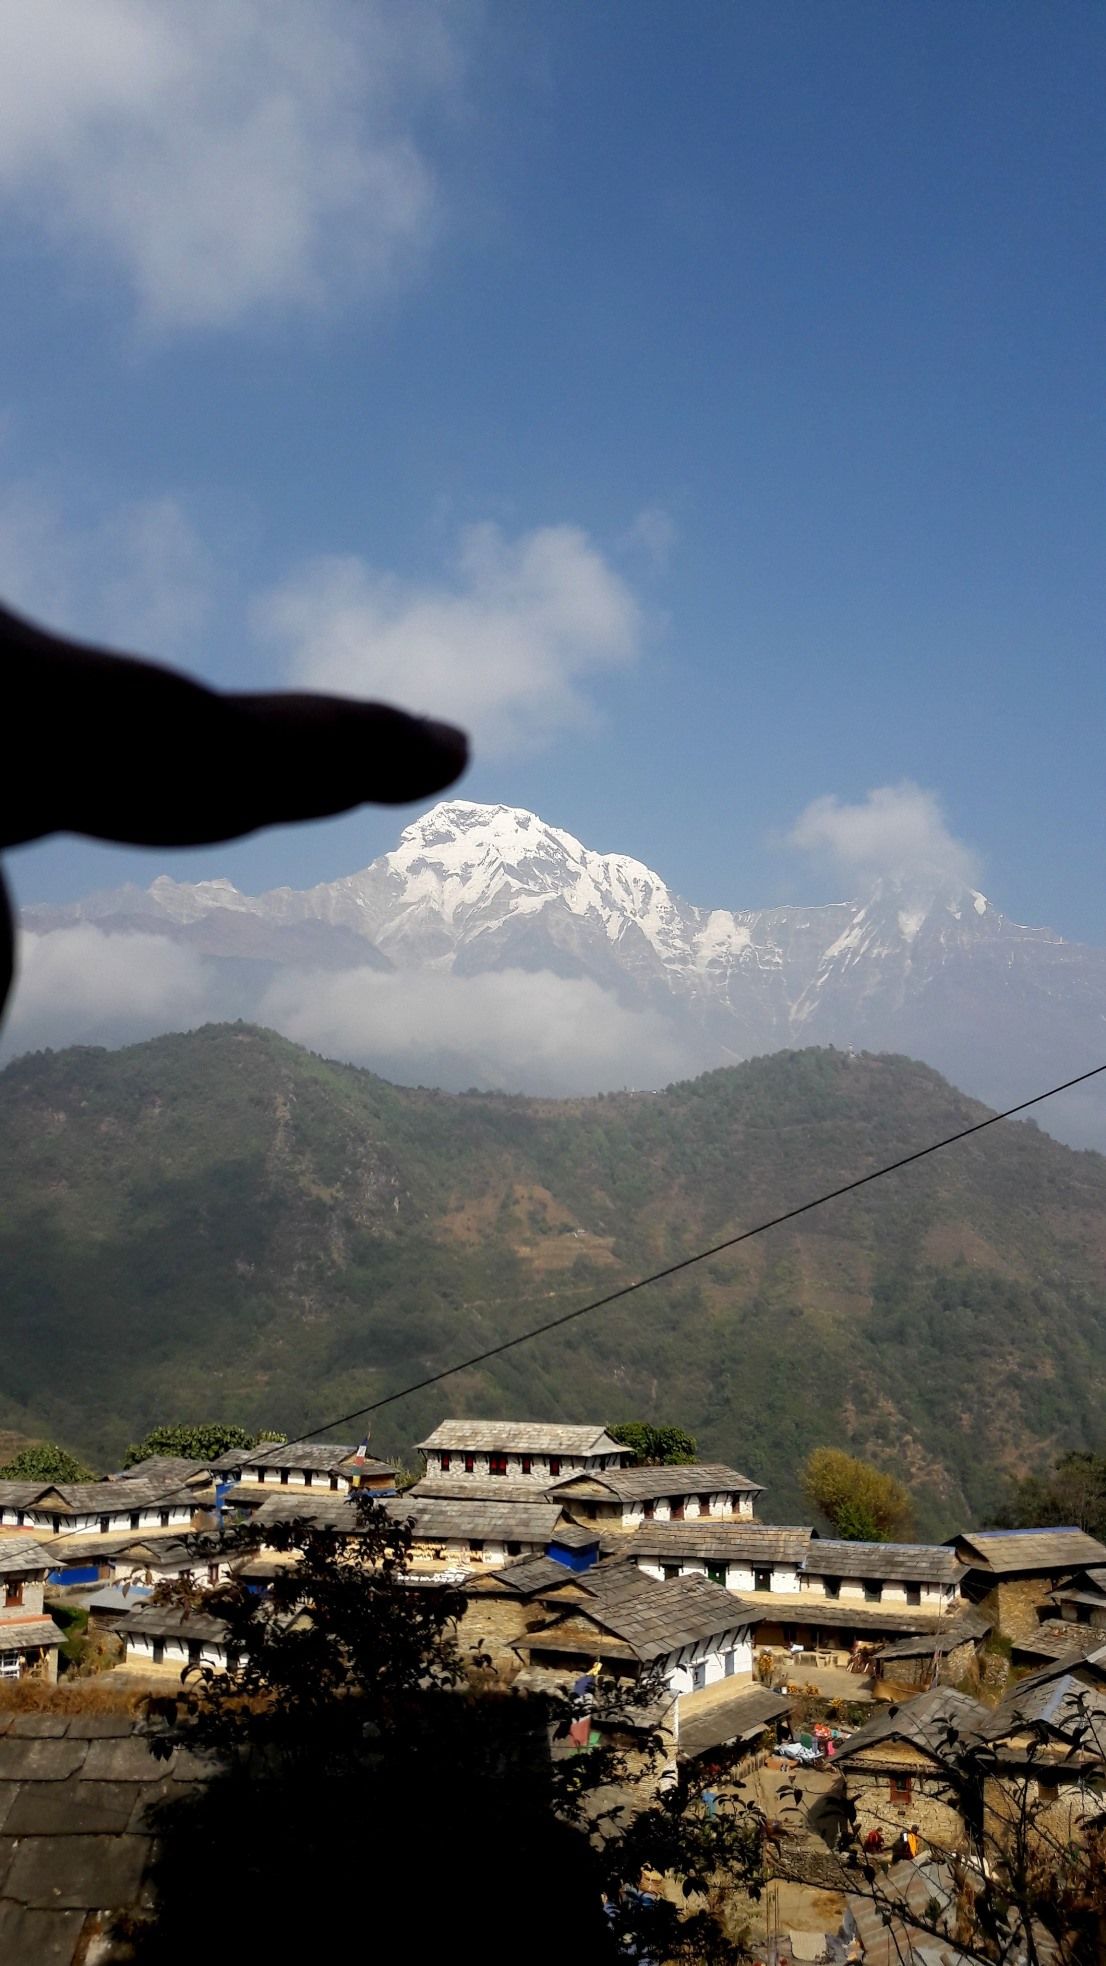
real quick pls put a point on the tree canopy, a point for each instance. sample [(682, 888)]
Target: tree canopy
[(200, 1442), (1074, 1492), (45, 1461), (655, 1447), (860, 1501)]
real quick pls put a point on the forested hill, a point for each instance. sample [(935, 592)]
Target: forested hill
[(223, 1225)]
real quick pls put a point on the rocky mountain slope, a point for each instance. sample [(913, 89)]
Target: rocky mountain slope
[(223, 1225), (935, 972)]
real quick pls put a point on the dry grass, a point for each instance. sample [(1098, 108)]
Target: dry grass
[(99, 1693)]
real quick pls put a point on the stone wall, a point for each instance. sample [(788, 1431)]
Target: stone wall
[(1013, 1604), (932, 1803)]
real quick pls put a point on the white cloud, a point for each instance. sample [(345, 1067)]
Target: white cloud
[(515, 1030), (898, 831), (79, 985), (504, 648), (223, 154), (139, 577)]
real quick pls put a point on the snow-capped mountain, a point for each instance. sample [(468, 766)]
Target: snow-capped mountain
[(476, 889)]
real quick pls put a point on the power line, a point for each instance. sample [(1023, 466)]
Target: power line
[(688, 1262)]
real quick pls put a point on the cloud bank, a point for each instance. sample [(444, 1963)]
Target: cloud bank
[(223, 155), (505, 647), (514, 1031), (899, 832)]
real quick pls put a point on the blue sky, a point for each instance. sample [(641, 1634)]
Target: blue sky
[(703, 399)]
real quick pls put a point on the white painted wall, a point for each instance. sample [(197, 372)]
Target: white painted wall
[(140, 1651), (317, 1479), (678, 1669)]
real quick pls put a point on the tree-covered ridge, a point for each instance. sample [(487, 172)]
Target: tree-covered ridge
[(223, 1224)]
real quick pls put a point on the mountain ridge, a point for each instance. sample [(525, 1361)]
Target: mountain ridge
[(223, 1223), (923, 965)]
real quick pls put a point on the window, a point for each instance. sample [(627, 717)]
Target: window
[(514, 1549), (13, 1590), (334, 1483), (476, 1547), (649, 1510), (762, 1579), (135, 1519), (105, 1524), (445, 1462), (717, 1573), (1048, 1792), (677, 1510), (469, 1464), (873, 1590), (729, 1664), (527, 1463), (260, 1473), (832, 1586), (670, 1570), (913, 1593), (307, 1477), (284, 1477), (497, 1464), (554, 1464), (163, 1518), (698, 1676), (900, 1789)]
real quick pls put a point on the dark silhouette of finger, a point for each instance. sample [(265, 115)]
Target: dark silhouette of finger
[(124, 749)]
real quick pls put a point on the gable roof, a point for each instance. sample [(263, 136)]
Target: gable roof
[(722, 1541), (176, 1468), (908, 1562), (520, 1437), (173, 1620), (475, 1488), (108, 1497), (651, 1619), (928, 1723), (1004, 1552), (523, 1522), (322, 1456), (648, 1484), (526, 1576), (21, 1554), (1061, 1703), (936, 1643)]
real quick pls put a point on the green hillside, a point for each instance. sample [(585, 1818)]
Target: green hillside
[(221, 1225)]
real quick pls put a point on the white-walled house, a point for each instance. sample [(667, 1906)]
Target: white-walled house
[(78, 1522), (165, 1639), (748, 1558), (629, 1498), (319, 1467), (687, 1633), (537, 1451), (29, 1638), (921, 1576)]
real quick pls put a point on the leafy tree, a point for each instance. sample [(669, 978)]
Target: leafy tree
[(196, 1443), (372, 1770), (1075, 1492), (45, 1461), (655, 1447), (861, 1502)]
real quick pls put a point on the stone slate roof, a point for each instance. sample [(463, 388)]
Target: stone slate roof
[(1057, 1703), (108, 1497), (166, 1547), (476, 1488), (646, 1484), (651, 1619), (924, 1644), (924, 1723), (829, 1614), (175, 1469), (326, 1457), (23, 1632), (527, 1576), (574, 1536), (322, 1510), (733, 1542), (1006, 1552), (172, 1621), (76, 1832), (919, 1563), (520, 1437), (524, 1522), (21, 1555), (1056, 1639), (746, 1713), (20, 1494)]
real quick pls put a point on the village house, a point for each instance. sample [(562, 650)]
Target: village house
[(1049, 1741), (78, 1523), (1010, 1573), (537, 1451), (1082, 1599), (321, 1466), (929, 1658), (165, 1639), (177, 1471), (748, 1557), (627, 1498), (458, 1536), (903, 1768), (917, 1576), (29, 1638)]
